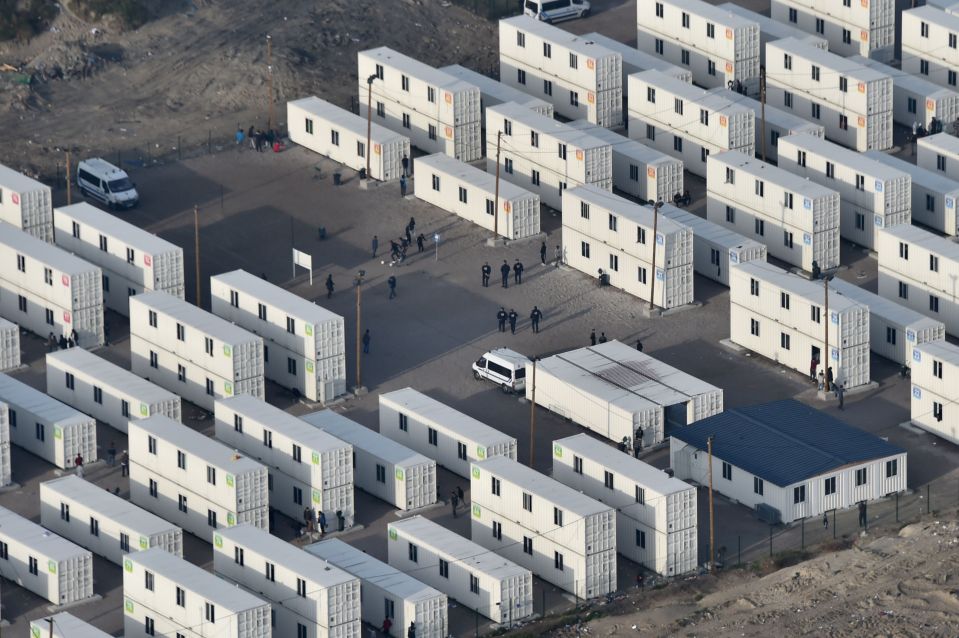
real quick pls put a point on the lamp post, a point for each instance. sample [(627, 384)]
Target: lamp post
[(358, 284), (369, 119), (652, 284)]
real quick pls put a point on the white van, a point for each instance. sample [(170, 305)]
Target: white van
[(550, 11), (101, 180), (504, 367)]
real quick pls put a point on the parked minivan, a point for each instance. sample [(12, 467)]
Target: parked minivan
[(504, 367), (101, 180), (550, 11)]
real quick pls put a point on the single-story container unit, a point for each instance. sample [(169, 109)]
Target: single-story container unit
[(858, 28), (102, 522), (104, 390), (26, 204), (830, 465), (935, 197), (9, 345), (133, 260), (771, 30), (656, 524), (927, 36), (935, 389), (470, 193), (381, 466), (164, 595), (621, 393), (387, 592), (563, 536), (939, 153), (65, 625), (438, 431), (484, 581), (307, 342), (916, 100), (493, 92)]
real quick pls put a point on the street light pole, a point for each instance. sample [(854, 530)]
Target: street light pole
[(369, 119), (499, 136), (825, 354), (652, 283), (196, 242), (358, 283), (762, 107), (712, 555)]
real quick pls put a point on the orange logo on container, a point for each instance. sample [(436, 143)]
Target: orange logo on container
[(506, 206), (376, 149), (590, 97), (449, 132), (590, 63), (16, 199), (651, 172), (729, 34), (864, 36), (864, 3), (722, 121), (66, 317), (862, 121), (862, 87), (729, 67), (147, 260), (65, 279), (579, 155), (448, 97), (930, 105)]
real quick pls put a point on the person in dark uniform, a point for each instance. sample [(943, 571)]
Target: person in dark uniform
[(504, 271), (592, 337), (542, 253), (391, 282), (501, 319), (518, 272), (487, 270), (513, 316), (329, 286), (602, 337), (534, 318)]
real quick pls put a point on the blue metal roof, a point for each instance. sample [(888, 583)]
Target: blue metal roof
[(784, 442)]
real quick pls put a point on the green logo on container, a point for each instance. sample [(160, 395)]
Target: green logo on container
[(399, 475), (230, 519), (477, 511), (317, 497), (128, 605), (144, 542), (217, 540), (309, 367), (144, 409), (316, 458), (227, 351), (308, 329), (480, 452), (558, 451), (229, 480), (228, 388), (127, 565), (57, 432), (392, 534), (476, 472), (52, 566), (34, 632)]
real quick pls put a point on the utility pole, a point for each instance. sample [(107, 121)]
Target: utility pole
[(499, 136), (196, 242), (50, 622), (369, 119), (652, 282), (69, 191), (269, 68), (762, 106), (712, 555), (359, 328), (825, 321), (532, 417)]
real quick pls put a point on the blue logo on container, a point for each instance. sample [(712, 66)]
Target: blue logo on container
[(660, 275), (879, 221), (917, 392), (807, 239), (949, 202), (910, 335), (660, 239), (835, 354), (916, 355), (733, 257), (878, 186), (834, 317), (807, 203)]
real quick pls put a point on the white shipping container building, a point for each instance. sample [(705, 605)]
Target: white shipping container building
[(779, 315), (484, 581), (939, 153), (796, 218), (451, 438), (192, 352), (381, 466), (439, 112), (927, 36), (192, 480), (470, 193), (336, 133), (871, 194), (934, 196), (894, 329), (545, 156), (859, 28), (6, 465), (854, 101), (307, 467), (104, 390), (493, 92), (656, 522), (561, 535), (915, 99), (47, 290), (133, 260), (935, 389), (674, 117), (43, 426), (715, 247), (9, 345), (771, 30), (602, 231), (636, 61), (38, 560), (617, 391), (639, 170), (307, 342), (389, 593), (26, 204), (102, 522), (718, 46), (153, 583), (310, 597), (579, 77), (65, 625), (919, 270)]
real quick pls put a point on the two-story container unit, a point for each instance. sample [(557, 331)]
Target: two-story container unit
[(718, 46), (470, 193), (307, 467), (580, 78), (639, 170), (336, 133), (796, 218), (26, 204), (872, 195), (484, 581), (867, 27), (939, 153), (310, 597), (894, 329), (193, 481), (656, 523), (636, 61), (918, 269), (65, 625), (604, 232), (780, 316), (935, 389), (561, 535), (47, 290), (133, 260), (916, 99), (43, 426), (620, 393), (451, 438), (681, 120), (927, 51), (389, 593), (106, 524), (439, 112), (381, 466), (104, 390), (715, 247), (853, 101), (935, 197), (192, 352), (164, 595), (545, 156), (9, 345), (493, 92), (771, 30), (304, 343), (38, 560)]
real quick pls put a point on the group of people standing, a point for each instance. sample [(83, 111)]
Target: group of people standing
[(55, 343), (260, 140)]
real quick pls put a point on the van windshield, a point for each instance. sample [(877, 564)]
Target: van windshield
[(521, 373), (531, 5), (120, 185)]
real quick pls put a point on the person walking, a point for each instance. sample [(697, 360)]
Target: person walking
[(592, 337), (408, 235), (78, 462), (557, 256), (366, 342), (125, 464), (411, 225), (501, 319), (862, 513), (239, 137), (638, 442), (639, 345), (840, 392), (322, 521), (512, 320), (825, 520), (820, 380), (487, 271), (813, 364), (387, 623), (534, 318), (454, 501), (504, 271), (112, 453), (542, 253), (602, 337), (375, 244), (518, 272), (830, 387), (420, 240), (329, 286), (406, 165), (402, 185), (391, 282)]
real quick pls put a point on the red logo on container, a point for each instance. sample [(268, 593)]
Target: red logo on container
[(376, 149), (66, 317), (65, 279), (651, 172), (729, 34), (864, 3), (590, 97), (449, 132), (729, 67), (579, 155), (862, 87), (930, 105), (590, 64), (448, 97), (147, 260), (722, 120), (862, 121), (16, 199), (864, 36), (506, 206)]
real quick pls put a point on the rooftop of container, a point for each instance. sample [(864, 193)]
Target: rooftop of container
[(197, 444), (794, 284), (193, 317), (545, 125), (883, 307), (629, 210), (631, 55), (922, 176), (622, 144), (710, 231), (347, 119), (714, 13), (942, 141), (469, 174), (28, 398), (908, 81), (541, 486), (419, 70), (66, 625), (832, 62), (942, 246), (111, 225), (110, 374), (774, 116), (109, 505), (441, 414), (940, 349), (288, 302), (841, 155), (282, 422), (935, 15), (362, 437), (766, 24), (488, 85), (18, 182), (755, 439), (716, 102), (47, 254), (577, 43), (39, 539), (775, 175)]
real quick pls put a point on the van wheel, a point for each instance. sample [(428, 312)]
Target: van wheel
[(584, 13), (506, 389), (476, 375)]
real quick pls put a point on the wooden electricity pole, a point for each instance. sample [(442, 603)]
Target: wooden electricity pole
[(712, 554), (269, 68), (369, 120), (196, 243), (825, 355), (499, 135), (532, 417), (762, 107), (359, 334), (69, 190), (652, 282)]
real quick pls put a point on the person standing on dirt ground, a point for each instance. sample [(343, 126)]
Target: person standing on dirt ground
[(375, 244), (454, 501), (602, 337), (534, 318), (420, 240), (366, 342), (239, 137), (862, 513), (518, 272), (329, 286), (406, 165), (592, 337), (825, 520), (542, 253), (403, 186), (391, 282), (487, 271)]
